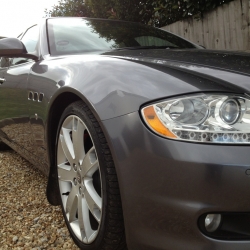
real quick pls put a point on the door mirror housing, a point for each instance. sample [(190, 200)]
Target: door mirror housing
[(13, 47)]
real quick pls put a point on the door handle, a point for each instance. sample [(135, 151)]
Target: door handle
[(2, 80)]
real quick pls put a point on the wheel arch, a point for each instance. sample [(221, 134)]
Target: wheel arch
[(57, 105)]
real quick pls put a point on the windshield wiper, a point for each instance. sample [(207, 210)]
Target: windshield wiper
[(147, 47)]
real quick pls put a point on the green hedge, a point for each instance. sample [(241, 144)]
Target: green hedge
[(170, 11), (154, 12)]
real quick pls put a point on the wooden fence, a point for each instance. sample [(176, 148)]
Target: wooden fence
[(226, 27)]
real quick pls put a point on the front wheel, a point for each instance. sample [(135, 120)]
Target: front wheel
[(88, 186)]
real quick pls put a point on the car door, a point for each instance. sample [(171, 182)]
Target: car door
[(4, 64), (14, 96)]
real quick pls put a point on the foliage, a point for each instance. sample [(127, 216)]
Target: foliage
[(69, 8), (170, 11), (129, 10), (154, 12)]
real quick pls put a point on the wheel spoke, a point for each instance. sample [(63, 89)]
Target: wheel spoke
[(67, 145), (77, 136), (65, 173), (65, 188), (61, 158), (90, 163), (71, 205), (94, 201), (83, 219)]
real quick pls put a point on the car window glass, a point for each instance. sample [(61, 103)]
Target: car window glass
[(4, 62), (153, 41), (19, 60), (30, 40), (72, 36)]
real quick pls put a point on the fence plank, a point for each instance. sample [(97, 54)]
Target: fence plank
[(226, 27)]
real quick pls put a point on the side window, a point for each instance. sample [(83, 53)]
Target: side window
[(4, 62), (30, 40)]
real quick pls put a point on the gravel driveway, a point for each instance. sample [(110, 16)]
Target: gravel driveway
[(27, 221)]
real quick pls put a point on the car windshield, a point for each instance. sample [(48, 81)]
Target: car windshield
[(77, 35)]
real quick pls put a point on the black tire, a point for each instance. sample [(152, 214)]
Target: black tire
[(111, 233)]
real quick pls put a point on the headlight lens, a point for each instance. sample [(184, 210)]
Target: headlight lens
[(230, 111), (187, 111), (214, 118)]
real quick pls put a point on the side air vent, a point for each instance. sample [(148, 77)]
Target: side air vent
[(30, 95), (41, 95), (35, 96)]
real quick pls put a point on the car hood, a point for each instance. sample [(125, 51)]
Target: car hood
[(230, 67), (120, 82)]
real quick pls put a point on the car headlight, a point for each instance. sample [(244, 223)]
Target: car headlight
[(209, 118)]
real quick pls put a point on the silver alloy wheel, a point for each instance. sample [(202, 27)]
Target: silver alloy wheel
[(78, 173)]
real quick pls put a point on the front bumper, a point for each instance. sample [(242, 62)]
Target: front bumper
[(167, 185)]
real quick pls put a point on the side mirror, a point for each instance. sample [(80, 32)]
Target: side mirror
[(12, 47)]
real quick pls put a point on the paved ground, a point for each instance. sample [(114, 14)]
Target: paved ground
[(27, 220)]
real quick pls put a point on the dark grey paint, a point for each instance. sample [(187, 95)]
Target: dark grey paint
[(122, 86), (165, 185)]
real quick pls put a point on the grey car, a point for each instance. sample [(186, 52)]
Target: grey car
[(144, 136)]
